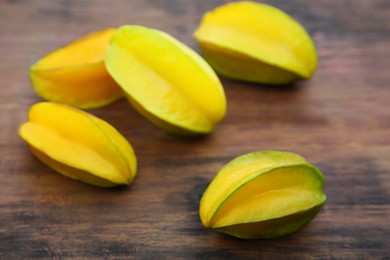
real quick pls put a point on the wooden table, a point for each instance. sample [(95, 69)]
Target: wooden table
[(339, 120)]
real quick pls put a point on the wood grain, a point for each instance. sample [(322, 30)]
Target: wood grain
[(339, 121)]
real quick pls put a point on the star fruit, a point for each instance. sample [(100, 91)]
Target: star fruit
[(264, 194), (76, 75), (256, 42), (79, 145), (166, 81)]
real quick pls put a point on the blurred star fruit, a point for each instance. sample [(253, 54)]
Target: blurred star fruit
[(256, 42), (76, 75)]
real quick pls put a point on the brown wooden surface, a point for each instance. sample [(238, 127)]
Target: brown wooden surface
[(339, 121)]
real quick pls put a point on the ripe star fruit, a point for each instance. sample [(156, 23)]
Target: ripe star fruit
[(166, 81), (256, 42), (76, 75), (264, 194), (79, 145)]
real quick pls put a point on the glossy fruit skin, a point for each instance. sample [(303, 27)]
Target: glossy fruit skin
[(256, 42), (263, 194), (79, 145), (76, 75), (166, 81)]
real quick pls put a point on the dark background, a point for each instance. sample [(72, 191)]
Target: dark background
[(339, 120)]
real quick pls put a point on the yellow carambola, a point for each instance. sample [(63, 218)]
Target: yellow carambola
[(79, 145), (263, 194), (256, 42), (166, 81), (76, 75)]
